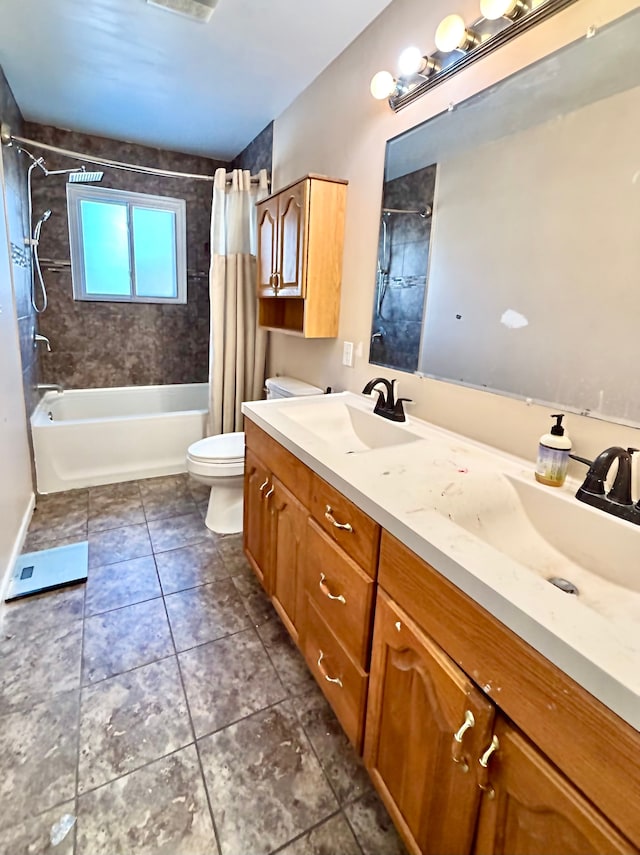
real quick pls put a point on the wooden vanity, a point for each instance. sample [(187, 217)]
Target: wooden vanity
[(473, 739)]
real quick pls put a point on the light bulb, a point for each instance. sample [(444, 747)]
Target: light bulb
[(383, 85), (411, 61), (452, 34), (494, 9)]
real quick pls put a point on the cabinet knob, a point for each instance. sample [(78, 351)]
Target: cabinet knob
[(483, 771), (456, 748), (325, 590), (328, 515), (323, 671)]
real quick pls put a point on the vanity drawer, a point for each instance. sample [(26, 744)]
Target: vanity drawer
[(343, 682), (341, 592), (346, 524)]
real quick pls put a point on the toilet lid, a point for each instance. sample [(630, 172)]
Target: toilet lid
[(223, 448)]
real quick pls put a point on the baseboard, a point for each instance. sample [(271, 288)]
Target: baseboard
[(17, 549)]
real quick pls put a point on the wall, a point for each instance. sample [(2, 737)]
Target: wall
[(98, 344), (16, 491), (336, 128), (258, 154)]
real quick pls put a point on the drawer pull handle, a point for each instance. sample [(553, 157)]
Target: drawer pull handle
[(269, 493), (328, 515), (325, 590), (456, 749), (483, 774), (263, 485), (329, 679)]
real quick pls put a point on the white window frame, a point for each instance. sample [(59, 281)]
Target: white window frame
[(77, 193)]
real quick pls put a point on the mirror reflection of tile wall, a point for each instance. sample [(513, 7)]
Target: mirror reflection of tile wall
[(401, 275)]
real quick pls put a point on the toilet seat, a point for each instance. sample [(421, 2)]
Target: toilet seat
[(225, 448)]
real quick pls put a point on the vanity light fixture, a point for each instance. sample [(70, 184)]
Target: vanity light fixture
[(452, 34), (459, 45)]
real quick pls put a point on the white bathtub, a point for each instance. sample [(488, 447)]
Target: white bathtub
[(86, 437)]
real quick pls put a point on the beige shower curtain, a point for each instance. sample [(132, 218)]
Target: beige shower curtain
[(237, 346)]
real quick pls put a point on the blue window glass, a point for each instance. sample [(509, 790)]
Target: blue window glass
[(154, 240), (105, 243)]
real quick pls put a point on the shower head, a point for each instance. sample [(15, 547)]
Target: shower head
[(45, 216), (84, 177)]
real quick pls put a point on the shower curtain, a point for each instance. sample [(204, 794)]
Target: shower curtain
[(237, 346)]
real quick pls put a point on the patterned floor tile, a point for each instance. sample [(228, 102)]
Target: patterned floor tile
[(38, 758), (230, 547), (51, 609), (190, 566), (256, 602), (51, 832), (178, 531), (267, 762), (228, 679), (118, 641), (161, 808), (166, 497), (286, 658), (107, 512), (118, 544), (121, 584), (333, 837), (128, 720), (205, 613), (373, 828)]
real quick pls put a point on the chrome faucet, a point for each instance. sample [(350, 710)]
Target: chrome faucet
[(618, 500), (49, 387), (37, 339), (386, 405)]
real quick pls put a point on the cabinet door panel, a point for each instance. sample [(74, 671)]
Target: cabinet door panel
[(291, 254), (255, 516), (267, 246), (417, 701), (288, 531), (536, 810)]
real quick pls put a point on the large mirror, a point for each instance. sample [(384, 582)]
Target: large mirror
[(509, 250)]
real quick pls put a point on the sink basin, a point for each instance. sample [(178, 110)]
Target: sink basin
[(346, 428)]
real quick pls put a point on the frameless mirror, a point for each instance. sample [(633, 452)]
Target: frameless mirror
[(509, 250)]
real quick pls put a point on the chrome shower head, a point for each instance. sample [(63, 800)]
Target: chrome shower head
[(84, 177), (45, 216)]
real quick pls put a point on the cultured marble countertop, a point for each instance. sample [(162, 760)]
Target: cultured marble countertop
[(452, 501)]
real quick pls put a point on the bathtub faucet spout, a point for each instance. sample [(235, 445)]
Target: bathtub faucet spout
[(49, 387)]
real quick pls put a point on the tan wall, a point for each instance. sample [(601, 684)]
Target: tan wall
[(336, 128)]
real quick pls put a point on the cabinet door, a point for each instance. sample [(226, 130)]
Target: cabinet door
[(255, 516), (288, 537), (535, 809), (292, 224), (267, 246), (418, 700)]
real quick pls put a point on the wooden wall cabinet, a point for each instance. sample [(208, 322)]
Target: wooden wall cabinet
[(300, 247)]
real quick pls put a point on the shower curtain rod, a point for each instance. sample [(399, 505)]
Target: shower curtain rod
[(116, 164)]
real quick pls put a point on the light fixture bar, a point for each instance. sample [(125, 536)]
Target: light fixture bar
[(513, 29)]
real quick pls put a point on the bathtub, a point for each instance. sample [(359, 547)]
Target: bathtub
[(87, 437)]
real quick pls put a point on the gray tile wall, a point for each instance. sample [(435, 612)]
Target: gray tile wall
[(258, 154), (115, 344), (400, 316)]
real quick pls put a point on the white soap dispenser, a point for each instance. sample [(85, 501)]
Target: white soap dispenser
[(553, 455)]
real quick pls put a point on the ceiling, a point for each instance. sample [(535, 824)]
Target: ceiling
[(131, 71)]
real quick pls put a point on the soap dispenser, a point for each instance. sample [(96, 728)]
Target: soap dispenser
[(553, 455)]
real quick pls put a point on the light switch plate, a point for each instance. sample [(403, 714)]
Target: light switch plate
[(347, 354)]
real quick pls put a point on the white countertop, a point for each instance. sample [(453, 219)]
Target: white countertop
[(436, 494)]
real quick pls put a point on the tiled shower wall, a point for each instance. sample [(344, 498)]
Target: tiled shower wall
[(15, 176), (400, 294), (258, 154), (98, 344)]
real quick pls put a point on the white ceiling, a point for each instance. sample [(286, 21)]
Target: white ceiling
[(130, 71)]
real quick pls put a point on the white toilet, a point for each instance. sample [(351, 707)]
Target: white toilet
[(218, 461)]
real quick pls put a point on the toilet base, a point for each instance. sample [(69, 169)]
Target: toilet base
[(224, 512)]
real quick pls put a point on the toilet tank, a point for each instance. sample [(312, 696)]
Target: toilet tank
[(290, 387)]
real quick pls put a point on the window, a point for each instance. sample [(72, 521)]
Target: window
[(126, 247)]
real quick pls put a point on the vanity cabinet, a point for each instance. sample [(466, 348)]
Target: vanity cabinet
[(300, 247)]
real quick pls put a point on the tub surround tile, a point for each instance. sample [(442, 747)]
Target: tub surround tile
[(114, 512), (38, 758), (342, 766), (123, 584), (51, 832), (177, 531), (332, 837), (35, 667), (190, 566), (373, 828), (228, 679), (50, 609), (286, 658), (124, 639), (205, 613), (118, 544), (161, 808), (288, 792), (129, 720), (256, 602)]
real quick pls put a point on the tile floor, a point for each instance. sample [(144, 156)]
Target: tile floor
[(162, 708)]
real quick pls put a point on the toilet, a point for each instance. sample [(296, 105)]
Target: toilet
[(218, 461)]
